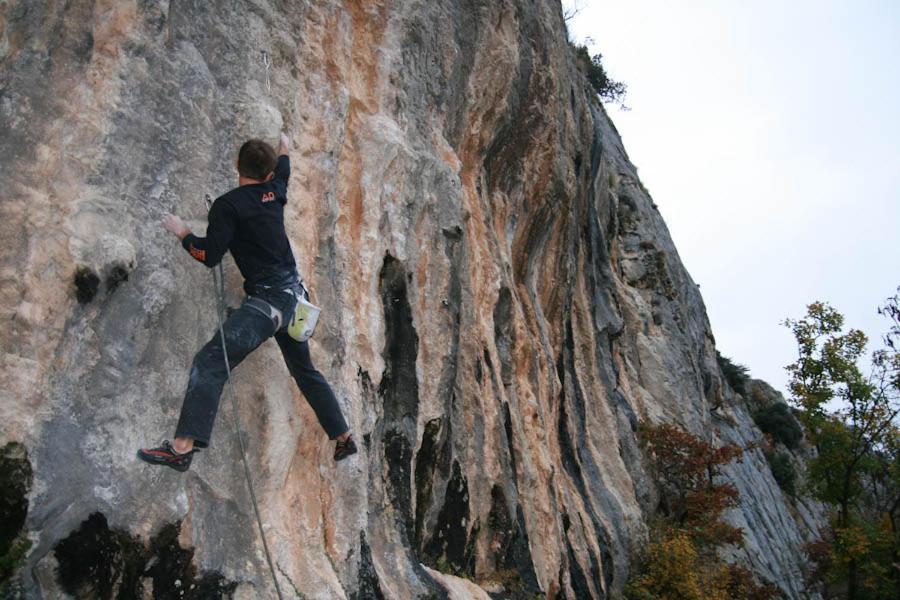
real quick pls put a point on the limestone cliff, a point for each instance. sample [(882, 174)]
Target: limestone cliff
[(503, 305)]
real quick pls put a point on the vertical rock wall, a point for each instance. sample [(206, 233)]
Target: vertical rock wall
[(503, 304)]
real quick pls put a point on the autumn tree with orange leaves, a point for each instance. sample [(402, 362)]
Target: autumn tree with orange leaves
[(681, 561)]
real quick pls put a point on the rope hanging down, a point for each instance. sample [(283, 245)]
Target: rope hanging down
[(219, 283)]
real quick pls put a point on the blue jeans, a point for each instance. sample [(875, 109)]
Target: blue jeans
[(245, 330)]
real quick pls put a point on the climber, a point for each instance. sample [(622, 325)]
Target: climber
[(249, 221)]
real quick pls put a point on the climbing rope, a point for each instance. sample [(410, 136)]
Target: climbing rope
[(219, 283)]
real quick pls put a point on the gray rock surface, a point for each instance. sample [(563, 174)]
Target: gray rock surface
[(503, 303)]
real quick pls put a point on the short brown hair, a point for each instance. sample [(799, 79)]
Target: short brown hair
[(256, 159)]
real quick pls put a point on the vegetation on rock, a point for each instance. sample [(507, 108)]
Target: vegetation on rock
[(607, 88), (783, 471), (778, 421), (16, 478), (736, 375), (97, 561), (681, 562)]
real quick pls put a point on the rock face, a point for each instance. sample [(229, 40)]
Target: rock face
[(502, 305)]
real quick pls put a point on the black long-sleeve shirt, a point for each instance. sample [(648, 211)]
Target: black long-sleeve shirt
[(249, 221)]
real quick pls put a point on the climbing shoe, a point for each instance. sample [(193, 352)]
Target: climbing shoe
[(166, 455), (344, 449)]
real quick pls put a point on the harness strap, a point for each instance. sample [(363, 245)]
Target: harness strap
[(267, 309)]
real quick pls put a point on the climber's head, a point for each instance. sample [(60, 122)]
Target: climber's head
[(256, 160)]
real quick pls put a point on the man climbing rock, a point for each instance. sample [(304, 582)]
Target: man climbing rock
[(249, 221)]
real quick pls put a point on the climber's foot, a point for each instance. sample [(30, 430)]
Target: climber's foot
[(345, 448), (167, 456)]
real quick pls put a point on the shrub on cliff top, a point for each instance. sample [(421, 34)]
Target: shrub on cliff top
[(607, 88)]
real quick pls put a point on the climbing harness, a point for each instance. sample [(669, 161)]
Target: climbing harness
[(305, 317), (219, 283), (267, 309)]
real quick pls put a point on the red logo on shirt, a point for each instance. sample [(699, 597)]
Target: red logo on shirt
[(197, 253), (268, 196)]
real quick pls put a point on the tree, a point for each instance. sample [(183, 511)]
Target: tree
[(674, 571), (687, 468), (607, 88), (681, 562), (851, 420), (571, 9)]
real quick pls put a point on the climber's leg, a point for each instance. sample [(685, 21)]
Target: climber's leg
[(245, 330), (314, 387)]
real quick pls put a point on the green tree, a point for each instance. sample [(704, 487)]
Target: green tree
[(851, 420)]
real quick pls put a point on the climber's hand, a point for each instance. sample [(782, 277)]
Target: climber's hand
[(174, 224), (284, 146)]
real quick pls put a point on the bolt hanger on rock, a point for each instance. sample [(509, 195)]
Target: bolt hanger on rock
[(267, 63)]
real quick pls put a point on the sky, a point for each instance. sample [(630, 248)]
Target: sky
[(768, 133)]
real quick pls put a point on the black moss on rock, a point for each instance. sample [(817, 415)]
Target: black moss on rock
[(369, 586), (447, 550), (398, 456), (399, 386), (86, 284), (15, 482), (426, 459), (98, 562), (117, 275), (173, 572), (399, 390), (514, 567)]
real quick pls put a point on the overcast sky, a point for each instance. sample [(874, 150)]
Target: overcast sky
[(768, 132)]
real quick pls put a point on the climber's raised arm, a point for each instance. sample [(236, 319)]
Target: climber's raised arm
[(282, 169), (284, 145)]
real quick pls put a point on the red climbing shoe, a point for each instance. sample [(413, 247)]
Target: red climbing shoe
[(165, 455), (344, 449)]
